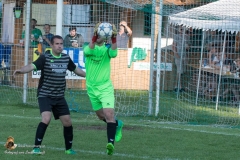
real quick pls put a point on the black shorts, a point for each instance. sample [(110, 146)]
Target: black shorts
[(58, 106)]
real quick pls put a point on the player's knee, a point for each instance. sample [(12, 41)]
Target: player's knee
[(101, 116), (66, 121), (109, 116), (46, 120), (67, 124), (46, 117)]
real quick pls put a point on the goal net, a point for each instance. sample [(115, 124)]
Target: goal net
[(178, 65)]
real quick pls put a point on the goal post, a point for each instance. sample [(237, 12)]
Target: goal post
[(158, 76)]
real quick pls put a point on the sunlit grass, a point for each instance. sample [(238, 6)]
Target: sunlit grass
[(135, 103)]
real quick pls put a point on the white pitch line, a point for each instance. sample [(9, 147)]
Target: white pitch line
[(165, 127), (92, 152), (191, 130)]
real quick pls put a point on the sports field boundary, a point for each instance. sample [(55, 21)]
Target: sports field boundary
[(90, 152), (160, 125)]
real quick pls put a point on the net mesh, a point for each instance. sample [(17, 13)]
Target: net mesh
[(153, 6), (191, 30)]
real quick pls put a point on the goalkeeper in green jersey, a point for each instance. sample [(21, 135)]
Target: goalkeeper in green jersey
[(99, 85)]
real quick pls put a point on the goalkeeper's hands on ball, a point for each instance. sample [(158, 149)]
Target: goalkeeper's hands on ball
[(114, 34), (95, 35)]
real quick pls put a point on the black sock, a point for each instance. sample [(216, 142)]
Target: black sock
[(106, 121), (111, 131), (40, 133), (68, 136)]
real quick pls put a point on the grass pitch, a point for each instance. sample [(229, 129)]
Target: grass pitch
[(141, 139)]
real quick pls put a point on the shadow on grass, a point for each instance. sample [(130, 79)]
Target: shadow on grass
[(135, 104)]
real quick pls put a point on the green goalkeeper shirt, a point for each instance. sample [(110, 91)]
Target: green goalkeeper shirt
[(98, 64)]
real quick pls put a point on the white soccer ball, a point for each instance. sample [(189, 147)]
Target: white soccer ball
[(105, 30)]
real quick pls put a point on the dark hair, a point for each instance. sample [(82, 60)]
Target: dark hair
[(47, 25), (72, 28), (55, 37), (34, 20)]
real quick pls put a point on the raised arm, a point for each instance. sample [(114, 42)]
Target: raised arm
[(95, 36), (114, 38), (129, 31), (94, 39)]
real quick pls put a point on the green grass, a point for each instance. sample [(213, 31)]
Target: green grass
[(133, 103), (142, 139)]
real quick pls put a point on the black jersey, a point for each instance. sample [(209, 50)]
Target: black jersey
[(52, 82)]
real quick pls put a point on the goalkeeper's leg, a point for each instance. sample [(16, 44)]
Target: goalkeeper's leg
[(107, 114), (119, 125)]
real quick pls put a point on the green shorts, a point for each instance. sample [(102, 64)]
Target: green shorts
[(101, 96)]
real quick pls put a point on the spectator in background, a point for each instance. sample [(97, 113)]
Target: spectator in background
[(123, 35), (230, 42), (211, 54), (217, 61), (233, 87), (73, 39), (36, 34), (209, 39), (227, 65), (47, 37), (213, 39), (179, 47)]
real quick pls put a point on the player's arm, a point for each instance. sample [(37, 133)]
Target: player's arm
[(88, 51), (95, 36), (129, 31), (72, 67), (79, 72), (114, 38), (25, 69), (113, 50), (94, 39), (114, 45), (36, 65), (113, 53)]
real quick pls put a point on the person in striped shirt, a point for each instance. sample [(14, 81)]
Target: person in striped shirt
[(50, 92)]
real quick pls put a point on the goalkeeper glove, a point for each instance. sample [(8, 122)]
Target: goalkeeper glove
[(95, 35), (114, 34), (94, 38), (96, 27)]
